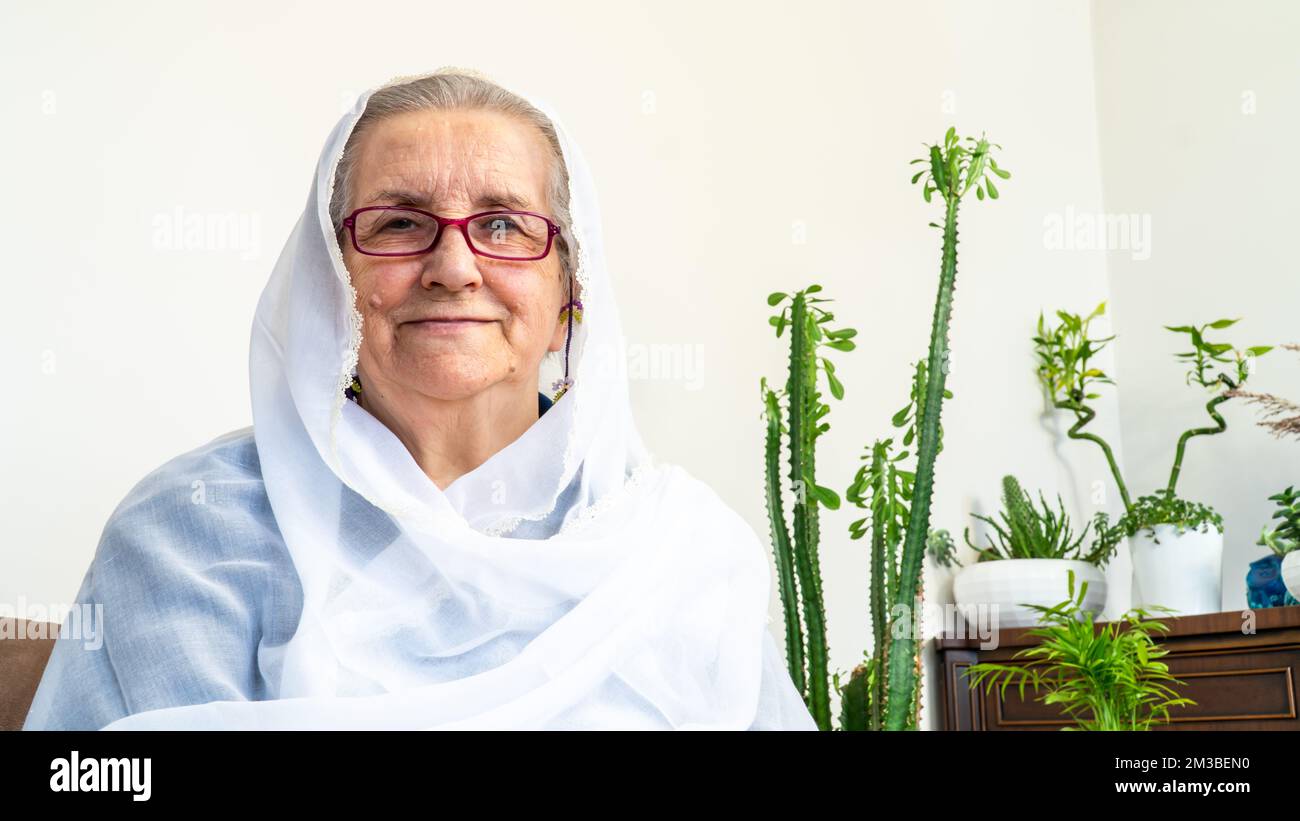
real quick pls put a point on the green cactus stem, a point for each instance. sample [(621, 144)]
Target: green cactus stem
[(855, 698), (953, 171), (883, 522), (798, 564), (885, 489), (801, 390), (781, 541)]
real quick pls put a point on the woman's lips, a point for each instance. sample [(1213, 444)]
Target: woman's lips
[(448, 326)]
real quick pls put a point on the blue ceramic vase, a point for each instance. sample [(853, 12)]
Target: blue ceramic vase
[(1264, 587)]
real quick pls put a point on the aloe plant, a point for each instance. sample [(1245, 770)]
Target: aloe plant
[(1025, 532), (797, 561), (952, 169)]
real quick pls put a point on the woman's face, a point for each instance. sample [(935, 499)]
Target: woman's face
[(454, 163)]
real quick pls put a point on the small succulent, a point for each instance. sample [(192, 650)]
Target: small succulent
[(1285, 537)]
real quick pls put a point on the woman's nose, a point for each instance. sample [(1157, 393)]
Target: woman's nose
[(451, 263)]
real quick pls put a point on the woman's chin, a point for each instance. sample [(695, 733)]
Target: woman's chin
[(448, 385)]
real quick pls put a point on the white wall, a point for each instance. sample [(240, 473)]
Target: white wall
[(124, 354), (1198, 107)]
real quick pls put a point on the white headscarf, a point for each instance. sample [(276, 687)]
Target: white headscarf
[(648, 608)]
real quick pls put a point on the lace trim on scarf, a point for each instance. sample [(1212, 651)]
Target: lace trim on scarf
[(591, 512)]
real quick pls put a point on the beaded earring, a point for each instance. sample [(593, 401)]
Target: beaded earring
[(572, 313)]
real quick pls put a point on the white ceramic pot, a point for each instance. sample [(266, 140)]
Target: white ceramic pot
[(1007, 585), (1291, 572), (1183, 571)]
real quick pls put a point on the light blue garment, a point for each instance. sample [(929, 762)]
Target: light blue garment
[(206, 614)]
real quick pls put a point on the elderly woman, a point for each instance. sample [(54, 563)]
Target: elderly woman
[(411, 535)]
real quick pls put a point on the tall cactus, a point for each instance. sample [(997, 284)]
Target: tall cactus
[(883, 692), (952, 170), (798, 565)]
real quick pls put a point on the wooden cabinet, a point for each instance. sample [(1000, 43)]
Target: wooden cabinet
[(1241, 676)]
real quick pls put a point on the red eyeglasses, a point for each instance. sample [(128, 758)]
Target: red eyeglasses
[(396, 231)]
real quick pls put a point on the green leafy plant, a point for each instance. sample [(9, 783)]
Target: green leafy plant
[(1107, 679), (797, 560), (1068, 375), (1161, 508), (1027, 532), (1217, 367), (1206, 360), (1284, 537), (1066, 372)]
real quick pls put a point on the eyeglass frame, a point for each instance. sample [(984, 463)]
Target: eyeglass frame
[(350, 222)]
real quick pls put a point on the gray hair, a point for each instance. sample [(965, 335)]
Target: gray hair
[(458, 89)]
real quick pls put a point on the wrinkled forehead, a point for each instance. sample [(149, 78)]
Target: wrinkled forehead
[(453, 159)]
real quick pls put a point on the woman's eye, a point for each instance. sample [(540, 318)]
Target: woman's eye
[(398, 224)]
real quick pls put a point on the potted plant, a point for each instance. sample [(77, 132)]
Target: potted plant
[(1176, 545), (1107, 679), (1034, 553), (1284, 541)]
